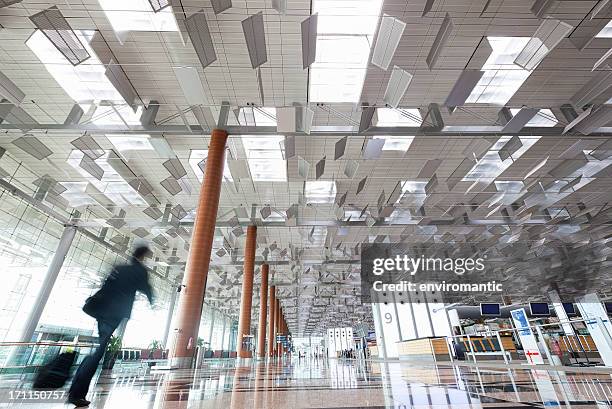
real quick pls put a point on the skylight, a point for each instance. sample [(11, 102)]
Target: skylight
[(260, 116), (398, 117), (491, 166), (137, 15), (396, 143), (112, 184), (345, 34), (84, 82), (198, 155), (413, 193), (502, 78), (544, 118), (126, 143), (265, 158), (114, 115), (320, 191)]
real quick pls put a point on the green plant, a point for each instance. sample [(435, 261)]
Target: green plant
[(200, 342), (114, 345), (155, 344)]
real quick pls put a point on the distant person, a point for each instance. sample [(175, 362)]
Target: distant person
[(109, 306)]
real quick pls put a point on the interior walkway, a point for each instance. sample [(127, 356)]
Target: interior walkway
[(339, 384)]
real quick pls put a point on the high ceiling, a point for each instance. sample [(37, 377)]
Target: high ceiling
[(441, 178)]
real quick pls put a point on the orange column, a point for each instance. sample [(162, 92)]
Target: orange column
[(271, 329), (280, 327), (192, 297), (263, 312), (244, 321), (276, 326)]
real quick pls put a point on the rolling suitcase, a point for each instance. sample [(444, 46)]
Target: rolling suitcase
[(55, 374)]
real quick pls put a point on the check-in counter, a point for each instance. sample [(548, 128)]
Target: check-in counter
[(428, 349)]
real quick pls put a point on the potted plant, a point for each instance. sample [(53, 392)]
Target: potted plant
[(112, 350), (154, 346)]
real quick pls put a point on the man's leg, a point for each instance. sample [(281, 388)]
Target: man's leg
[(87, 369)]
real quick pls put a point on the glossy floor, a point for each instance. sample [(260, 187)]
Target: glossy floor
[(335, 384)]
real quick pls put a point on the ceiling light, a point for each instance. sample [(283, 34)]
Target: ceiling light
[(10, 91), (191, 84), (546, 38), (440, 41), (197, 28), (463, 88), (196, 156), (125, 143), (398, 117), (55, 27), (389, 35), (136, 15), (255, 36), (397, 86), (309, 40)]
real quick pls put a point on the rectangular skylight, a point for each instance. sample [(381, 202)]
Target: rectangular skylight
[(126, 143), (345, 34), (112, 184), (265, 158), (502, 78), (396, 143), (84, 82), (137, 15), (491, 166), (320, 191), (198, 155), (544, 118), (398, 117)]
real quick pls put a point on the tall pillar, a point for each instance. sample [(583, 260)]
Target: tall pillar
[(279, 314), (173, 296), (244, 321), (263, 312), (17, 354), (271, 328), (196, 272)]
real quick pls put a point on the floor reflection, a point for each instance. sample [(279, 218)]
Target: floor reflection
[(310, 383)]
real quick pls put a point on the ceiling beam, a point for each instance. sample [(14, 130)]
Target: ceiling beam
[(317, 131)]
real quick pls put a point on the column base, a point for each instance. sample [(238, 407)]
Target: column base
[(181, 362)]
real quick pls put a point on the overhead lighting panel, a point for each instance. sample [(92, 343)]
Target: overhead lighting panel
[(440, 41), (389, 35), (255, 36), (197, 28), (33, 146), (463, 88), (88, 146), (55, 27), (541, 8), (10, 91), (171, 186), (175, 167), (519, 120), (191, 85), (598, 117), (286, 119), (219, 6), (121, 82), (546, 38), (91, 167), (600, 83), (397, 86), (6, 3), (159, 5), (309, 40)]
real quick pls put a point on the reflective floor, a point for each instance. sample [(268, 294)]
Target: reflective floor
[(334, 384)]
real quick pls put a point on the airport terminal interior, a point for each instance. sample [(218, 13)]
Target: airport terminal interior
[(347, 203)]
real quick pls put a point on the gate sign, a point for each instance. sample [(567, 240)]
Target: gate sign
[(530, 345)]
